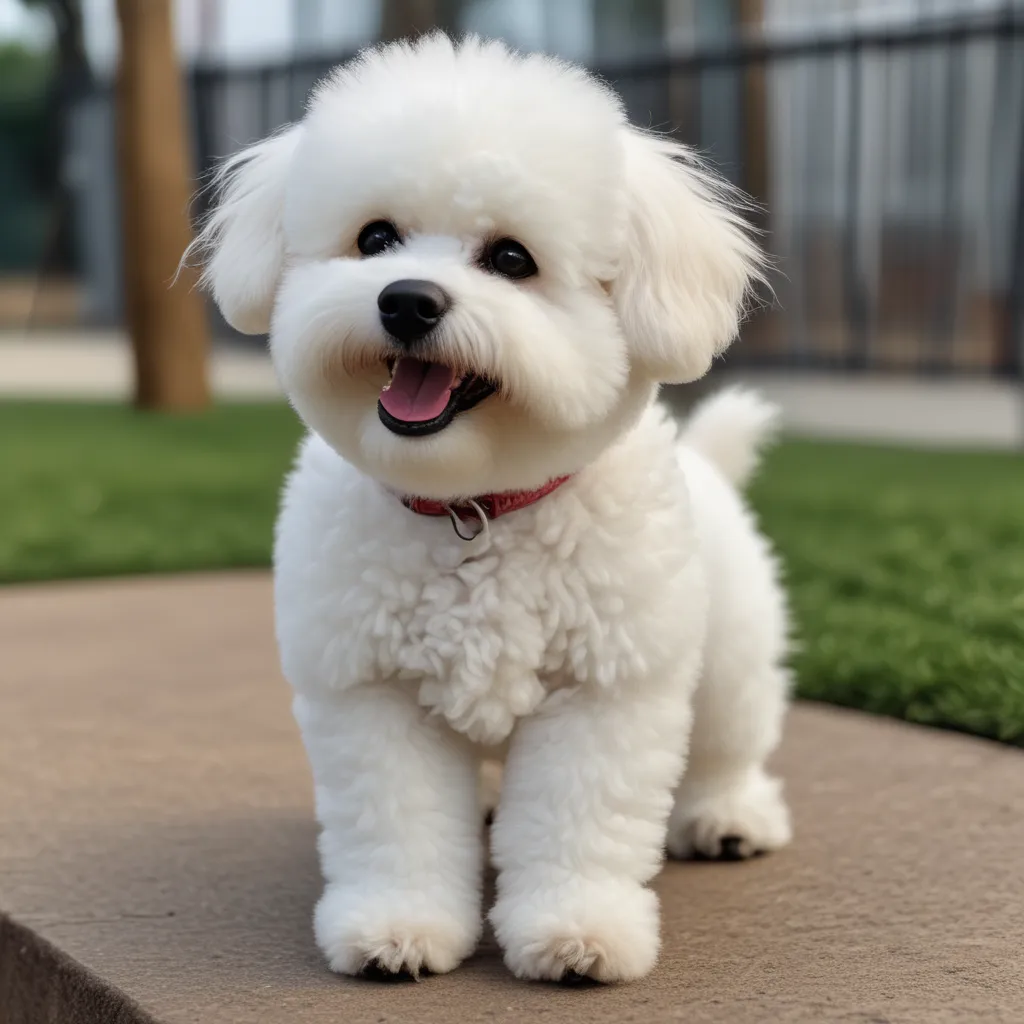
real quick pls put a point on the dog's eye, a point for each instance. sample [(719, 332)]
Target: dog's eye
[(510, 259), (378, 237)]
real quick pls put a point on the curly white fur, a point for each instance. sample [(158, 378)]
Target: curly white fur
[(626, 626)]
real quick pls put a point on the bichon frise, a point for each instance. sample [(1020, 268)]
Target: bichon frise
[(475, 274)]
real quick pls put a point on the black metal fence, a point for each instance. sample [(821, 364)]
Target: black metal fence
[(890, 164)]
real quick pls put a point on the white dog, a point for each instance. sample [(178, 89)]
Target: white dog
[(475, 274)]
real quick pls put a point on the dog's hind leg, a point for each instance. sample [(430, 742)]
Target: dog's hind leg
[(727, 807)]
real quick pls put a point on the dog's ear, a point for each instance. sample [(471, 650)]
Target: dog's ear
[(242, 241), (689, 261)]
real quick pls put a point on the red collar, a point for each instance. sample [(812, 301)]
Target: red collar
[(493, 505)]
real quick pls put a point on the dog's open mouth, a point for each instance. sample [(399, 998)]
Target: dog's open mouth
[(422, 398)]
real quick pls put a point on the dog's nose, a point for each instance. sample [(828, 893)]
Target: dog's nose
[(409, 310)]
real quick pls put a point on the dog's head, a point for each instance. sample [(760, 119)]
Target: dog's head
[(474, 272)]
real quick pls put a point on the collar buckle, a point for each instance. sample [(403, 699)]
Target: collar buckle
[(481, 510)]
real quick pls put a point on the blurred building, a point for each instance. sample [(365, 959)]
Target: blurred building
[(884, 138), (896, 188)]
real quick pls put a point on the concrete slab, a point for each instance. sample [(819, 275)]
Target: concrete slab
[(157, 850)]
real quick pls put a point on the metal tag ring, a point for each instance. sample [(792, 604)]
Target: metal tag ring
[(458, 523)]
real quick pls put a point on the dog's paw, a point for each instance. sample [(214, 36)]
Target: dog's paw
[(606, 931), (392, 934), (729, 822)]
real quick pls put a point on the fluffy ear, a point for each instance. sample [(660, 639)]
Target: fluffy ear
[(689, 261), (242, 240)]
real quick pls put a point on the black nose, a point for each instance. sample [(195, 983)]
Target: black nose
[(409, 310)]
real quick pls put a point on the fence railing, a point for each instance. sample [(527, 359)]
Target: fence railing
[(891, 165), (889, 162)]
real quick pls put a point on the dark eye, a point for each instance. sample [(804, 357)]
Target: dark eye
[(510, 259), (378, 237)]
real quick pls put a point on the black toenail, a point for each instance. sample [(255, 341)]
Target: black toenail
[(729, 848), (573, 979), (376, 971)]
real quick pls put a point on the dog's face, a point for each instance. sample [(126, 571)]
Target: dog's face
[(473, 271)]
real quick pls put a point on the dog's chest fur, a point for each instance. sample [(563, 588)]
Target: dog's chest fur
[(595, 585)]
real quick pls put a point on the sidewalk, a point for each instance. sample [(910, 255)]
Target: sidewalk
[(157, 854), (916, 410), (97, 365)]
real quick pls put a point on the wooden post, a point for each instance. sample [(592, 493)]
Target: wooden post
[(168, 325), (405, 18), (755, 108), (761, 332)]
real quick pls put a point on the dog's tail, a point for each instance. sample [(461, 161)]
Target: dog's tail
[(731, 429)]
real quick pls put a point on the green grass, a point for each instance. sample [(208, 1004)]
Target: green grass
[(92, 490), (905, 568), (906, 575)]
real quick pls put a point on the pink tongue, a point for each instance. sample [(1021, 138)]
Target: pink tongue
[(418, 391)]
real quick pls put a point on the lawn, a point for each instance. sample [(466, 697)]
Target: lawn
[(905, 568), (91, 490), (906, 576)]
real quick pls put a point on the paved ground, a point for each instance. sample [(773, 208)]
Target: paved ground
[(157, 851)]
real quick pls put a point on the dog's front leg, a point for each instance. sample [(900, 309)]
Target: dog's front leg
[(580, 830), (401, 846)]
